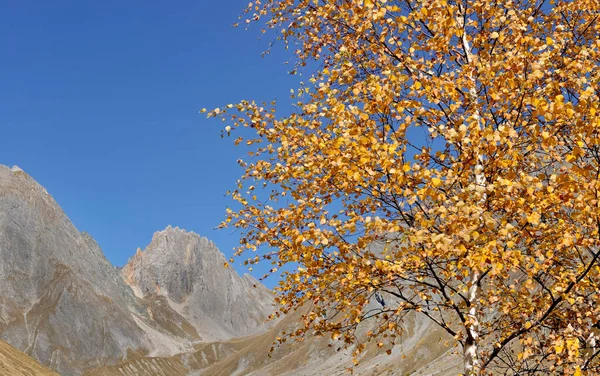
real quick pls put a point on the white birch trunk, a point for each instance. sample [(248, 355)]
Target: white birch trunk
[(472, 362), (471, 350)]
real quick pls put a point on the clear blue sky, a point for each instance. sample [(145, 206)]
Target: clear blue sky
[(99, 102)]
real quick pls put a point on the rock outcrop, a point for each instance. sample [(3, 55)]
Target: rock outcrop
[(188, 271)]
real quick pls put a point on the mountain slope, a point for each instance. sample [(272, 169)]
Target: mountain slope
[(188, 271), (421, 351), (420, 346)]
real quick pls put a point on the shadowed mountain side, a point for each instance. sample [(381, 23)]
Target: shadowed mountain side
[(16, 363)]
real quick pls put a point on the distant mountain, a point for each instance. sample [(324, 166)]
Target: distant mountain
[(189, 272)]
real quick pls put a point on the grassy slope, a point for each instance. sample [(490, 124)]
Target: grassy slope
[(16, 363)]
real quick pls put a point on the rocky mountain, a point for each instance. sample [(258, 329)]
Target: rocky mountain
[(65, 305), (188, 271), (62, 302)]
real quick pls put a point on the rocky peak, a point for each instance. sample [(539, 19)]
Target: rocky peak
[(171, 240), (189, 270)]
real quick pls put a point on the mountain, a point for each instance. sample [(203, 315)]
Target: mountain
[(62, 302), (188, 271), (66, 306)]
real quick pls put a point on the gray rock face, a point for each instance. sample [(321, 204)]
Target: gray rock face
[(188, 270)]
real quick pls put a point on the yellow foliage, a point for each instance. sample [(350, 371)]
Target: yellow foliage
[(444, 155)]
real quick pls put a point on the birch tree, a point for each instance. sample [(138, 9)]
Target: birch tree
[(464, 137)]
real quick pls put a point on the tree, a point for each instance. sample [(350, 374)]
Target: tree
[(464, 136)]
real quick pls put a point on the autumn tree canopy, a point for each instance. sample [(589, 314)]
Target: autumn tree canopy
[(464, 137)]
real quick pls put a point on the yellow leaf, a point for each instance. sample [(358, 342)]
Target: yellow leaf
[(534, 218), (573, 345), (436, 182)]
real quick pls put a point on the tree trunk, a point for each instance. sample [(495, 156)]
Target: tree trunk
[(471, 349), (472, 362)]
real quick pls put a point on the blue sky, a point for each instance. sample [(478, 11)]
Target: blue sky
[(100, 101)]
